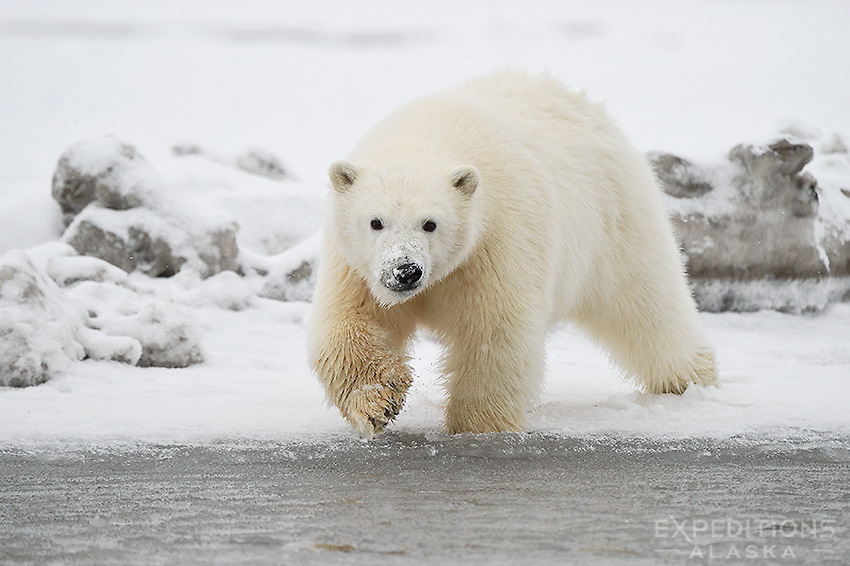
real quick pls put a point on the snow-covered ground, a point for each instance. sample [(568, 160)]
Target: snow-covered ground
[(785, 378), (693, 78)]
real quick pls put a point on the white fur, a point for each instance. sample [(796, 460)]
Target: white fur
[(543, 212)]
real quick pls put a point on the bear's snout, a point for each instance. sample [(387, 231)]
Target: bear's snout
[(403, 277), (407, 276), (403, 270)]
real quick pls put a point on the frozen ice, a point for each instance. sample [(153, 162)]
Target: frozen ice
[(412, 500)]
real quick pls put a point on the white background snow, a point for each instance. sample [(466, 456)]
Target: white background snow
[(304, 81)]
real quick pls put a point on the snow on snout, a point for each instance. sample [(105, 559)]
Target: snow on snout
[(396, 255)]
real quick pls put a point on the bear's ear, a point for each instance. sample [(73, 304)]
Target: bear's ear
[(465, 179), (343, 175)]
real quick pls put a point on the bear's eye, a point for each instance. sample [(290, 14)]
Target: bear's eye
[(429, 226), (376, 224)]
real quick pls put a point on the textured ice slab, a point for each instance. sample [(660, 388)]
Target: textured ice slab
[(413, 499)]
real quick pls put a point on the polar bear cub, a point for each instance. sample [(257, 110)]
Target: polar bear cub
[(486, 213)]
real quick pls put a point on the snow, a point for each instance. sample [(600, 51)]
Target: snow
[(66, 270), (783, 377), (692, 78)]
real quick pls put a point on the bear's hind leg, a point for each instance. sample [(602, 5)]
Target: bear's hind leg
[(698, 369), (654, 336)]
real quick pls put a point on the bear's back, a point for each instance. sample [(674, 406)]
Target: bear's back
[(492, 118)]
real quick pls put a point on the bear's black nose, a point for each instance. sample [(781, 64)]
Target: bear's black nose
[(407, 274)]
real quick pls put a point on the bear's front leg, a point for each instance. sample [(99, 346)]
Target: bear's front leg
[(365, 381), (356, 348), (494, 369)]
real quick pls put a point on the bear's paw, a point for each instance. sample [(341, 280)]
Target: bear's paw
[(372, 407)]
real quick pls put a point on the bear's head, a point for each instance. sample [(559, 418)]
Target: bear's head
[(403, 226)]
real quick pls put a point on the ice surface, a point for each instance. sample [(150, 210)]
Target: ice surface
[(414, 500)]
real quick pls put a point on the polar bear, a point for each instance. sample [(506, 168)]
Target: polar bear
[(486, 213)]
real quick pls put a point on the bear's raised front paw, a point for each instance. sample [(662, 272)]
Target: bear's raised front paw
[(372, 407)]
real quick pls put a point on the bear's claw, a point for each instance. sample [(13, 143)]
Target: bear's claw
[(372, 407)]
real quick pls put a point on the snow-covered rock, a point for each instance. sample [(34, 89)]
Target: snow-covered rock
[(39, 326), (226, 290), (273, 214), (121, 210), (256, 161), (290, 275), (96, 314), (118, 208), (123, 323), (167, 334), (92, 170), (766, 227)]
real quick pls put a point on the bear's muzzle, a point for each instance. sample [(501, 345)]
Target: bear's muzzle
[(404, 277)]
